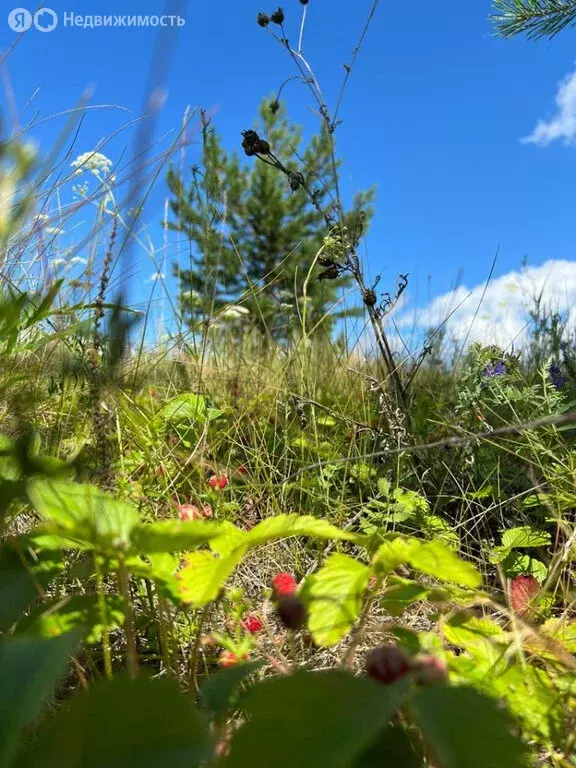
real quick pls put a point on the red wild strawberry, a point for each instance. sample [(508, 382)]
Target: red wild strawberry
[(252, 624), (387, 664), (284, 585), (243, 469), (218, 482), (522, 592)]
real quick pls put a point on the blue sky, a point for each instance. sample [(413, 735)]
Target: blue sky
[(433, 115)]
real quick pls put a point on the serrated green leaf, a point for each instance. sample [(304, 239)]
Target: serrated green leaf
[(525, 536), (466, 728), (84, 512), (324, 718), (204, 575), (285, 526), (186, 407), (516, 564), (229, 538), (482, 637), (62, 615), (334, 597), (393, 552), (173, 535), (436, 559), (219, 691), (401, 593), (122, 723), (384, 486), (393, 748), (30, 667)]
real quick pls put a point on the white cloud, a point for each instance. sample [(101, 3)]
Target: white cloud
[(498, 314), (563, 124)]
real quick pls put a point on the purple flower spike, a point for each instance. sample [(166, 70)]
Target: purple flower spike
[(557, 378), (494, 369)]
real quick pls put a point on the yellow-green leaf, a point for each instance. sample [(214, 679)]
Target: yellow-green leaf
[(334, 596)]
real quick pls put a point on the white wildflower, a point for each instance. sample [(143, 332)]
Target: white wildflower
[(234, 311), (93, 162)]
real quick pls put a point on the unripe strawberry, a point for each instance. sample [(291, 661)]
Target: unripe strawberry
[(523, 591), (291, 612), (387, 664)]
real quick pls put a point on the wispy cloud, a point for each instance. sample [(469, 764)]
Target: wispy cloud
[(498, 314), (562, 125)]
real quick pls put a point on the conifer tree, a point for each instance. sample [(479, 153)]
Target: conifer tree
[(252, 238), (535, 18)]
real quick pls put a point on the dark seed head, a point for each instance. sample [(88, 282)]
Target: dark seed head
[(303, 2), (250, 142), (387, 664), (262, 147), (331, 273), (274, 106), (263, 19), (369, 297), (325, 260), (296, 180), (278, 16), (291, 612)]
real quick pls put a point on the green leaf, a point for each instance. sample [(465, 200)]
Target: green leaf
[(401, 593), (173, 535), (384, 486), (481, 637), (186, 407), (122, 724), (285, 526), (393, 552), (334, 596), (431, 557), (219, 691), (466, 728), (230, 537), (84, 512), (29, 670), (515, 564), (62, 615), (436, 559), (203, 576), (525, 536), (531, 698), (312, 719), (21, 580), (393, 748)]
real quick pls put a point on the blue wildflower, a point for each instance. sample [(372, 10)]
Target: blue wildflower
[(494, 369), (557, 378)]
